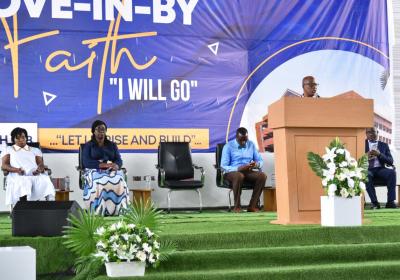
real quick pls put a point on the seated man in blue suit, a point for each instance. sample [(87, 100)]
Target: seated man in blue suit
[(239, 160), (378, 156)]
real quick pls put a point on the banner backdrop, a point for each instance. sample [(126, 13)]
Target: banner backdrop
[(180, 70)]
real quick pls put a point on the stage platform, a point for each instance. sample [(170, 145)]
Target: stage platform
[(222, 245)]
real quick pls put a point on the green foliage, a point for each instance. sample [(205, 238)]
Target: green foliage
[(87, 264), (363, 163), (316, 163), (167, 248), (335, 143), (341, 174), (80, 237), (142, 214)]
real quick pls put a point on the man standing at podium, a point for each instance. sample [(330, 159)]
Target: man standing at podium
[(241, 161), (310, 87), (378, 156)]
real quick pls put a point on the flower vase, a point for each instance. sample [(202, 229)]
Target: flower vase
[(123, 269), (340, 212)]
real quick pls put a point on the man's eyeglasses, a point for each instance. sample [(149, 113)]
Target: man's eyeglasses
[(372, 132), (311, 84)]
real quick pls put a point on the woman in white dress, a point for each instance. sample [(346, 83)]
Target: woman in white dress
[(26, 179)]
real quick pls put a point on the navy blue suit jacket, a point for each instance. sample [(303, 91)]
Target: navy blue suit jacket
[(385, 157)]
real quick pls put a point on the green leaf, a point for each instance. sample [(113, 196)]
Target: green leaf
[(88, 268), (316, 163), (82, 263), (167, 248), (363, 162), (142, 214), (80, 238)]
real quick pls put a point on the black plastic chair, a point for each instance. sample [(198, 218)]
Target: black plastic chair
[(81, 168), (221, 181), (176, 170)]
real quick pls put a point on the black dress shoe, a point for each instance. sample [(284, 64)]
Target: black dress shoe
[(391, 205), (375, 206)]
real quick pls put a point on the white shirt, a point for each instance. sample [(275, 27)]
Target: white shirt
[(24, 158), (374, 146)]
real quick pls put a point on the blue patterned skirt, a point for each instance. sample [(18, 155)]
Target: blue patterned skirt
[(105, 192)]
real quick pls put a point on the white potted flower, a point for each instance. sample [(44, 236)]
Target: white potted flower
[(126, 249), (343, 179)]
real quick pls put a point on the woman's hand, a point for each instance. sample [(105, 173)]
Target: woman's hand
[(109, 166), (40, 168), (20, 171), (114, 167)]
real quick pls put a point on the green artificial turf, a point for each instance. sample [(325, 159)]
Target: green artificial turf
[(388, 270), (221, 245)]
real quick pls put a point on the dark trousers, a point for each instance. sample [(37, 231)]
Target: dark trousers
[(255, 177), (389, 176)]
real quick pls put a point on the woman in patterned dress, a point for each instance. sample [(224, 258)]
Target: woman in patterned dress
[(105, 190)]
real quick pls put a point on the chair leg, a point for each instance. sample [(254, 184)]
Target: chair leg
[(169, 201), (229, 199), (11, 210), (201, 202)]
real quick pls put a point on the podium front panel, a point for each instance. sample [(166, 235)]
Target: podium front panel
[(298, 189)]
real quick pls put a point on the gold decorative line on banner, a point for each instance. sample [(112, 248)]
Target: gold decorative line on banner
[(282, 50), (13, 44)]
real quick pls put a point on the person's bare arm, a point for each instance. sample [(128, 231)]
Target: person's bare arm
[(5, 165), (40, 164)]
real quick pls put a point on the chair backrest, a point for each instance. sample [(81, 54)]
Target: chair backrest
[(80, 157), (81, 167), (176, 159), (218, 156)]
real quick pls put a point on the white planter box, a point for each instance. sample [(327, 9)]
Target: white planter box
[(123, 269), (338, 211), (18, 263)]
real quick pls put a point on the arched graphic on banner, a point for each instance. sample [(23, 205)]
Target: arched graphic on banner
[(282, 50)]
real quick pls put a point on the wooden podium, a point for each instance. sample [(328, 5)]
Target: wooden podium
[(301, 125)]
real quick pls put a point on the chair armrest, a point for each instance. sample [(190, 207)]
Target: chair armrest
[(221, 180), (201, 171), (391, 166), (47, 170), (162, 175), (125, 173)]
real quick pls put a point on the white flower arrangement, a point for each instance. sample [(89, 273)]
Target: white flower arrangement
[(122, 242), (341, 174)]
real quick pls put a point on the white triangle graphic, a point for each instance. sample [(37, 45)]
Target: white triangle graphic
[(214, 48), (48, 97)]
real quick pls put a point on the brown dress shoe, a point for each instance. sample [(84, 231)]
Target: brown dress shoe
[(252, 209), (237, 210)]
